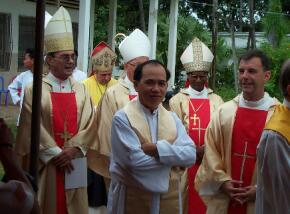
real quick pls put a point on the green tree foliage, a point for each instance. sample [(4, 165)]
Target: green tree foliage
[(275, 23), (278, 56)]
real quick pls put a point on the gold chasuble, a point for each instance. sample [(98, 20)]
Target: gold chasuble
[(279, 122), (195, 115), (138, 201), (95, 89), (115, 98), (75, 199), (217, 166)]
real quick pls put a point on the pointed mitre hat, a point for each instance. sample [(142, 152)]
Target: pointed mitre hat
[(103, 57), (58, 34), (196, 57), (47, 18), (135, 45)]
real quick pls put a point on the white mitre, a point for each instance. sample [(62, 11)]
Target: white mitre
[(58, 34), (47, 18), (135, 45), (196, 57)]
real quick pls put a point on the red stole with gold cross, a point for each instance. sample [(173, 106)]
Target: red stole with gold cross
[(64, 125), (199, 116), (247, 130)]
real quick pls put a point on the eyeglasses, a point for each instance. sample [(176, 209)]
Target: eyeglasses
[(66, 57)]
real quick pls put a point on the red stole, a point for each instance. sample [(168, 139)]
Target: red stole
[(132, 96), (199, 116), (64, 123), (247, 130)]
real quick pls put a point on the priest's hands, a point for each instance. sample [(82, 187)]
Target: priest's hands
[(237, 193), (150, 149), (63, 160), (249, 194)]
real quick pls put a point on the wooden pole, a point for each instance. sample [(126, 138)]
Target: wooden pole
[(37, 88)]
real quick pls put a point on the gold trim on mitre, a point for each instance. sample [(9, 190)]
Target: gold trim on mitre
[(197, 63), (58, 32), (103, 57)]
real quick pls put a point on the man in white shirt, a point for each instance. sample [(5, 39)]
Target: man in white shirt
[(16, 88), (149, 144)]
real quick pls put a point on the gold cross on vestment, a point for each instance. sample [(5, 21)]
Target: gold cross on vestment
[(65, 135), (244, 156), (194, 118)]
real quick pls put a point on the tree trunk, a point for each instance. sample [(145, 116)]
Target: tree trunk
[(214, 42), (241, 16), (234, 55), (142, 17), (251, 38)]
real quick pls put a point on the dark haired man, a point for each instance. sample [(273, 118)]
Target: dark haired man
[(149, 144), (134, 49), (194, 106), (273, 156), (67, 125), (17, 86), (226, 178)]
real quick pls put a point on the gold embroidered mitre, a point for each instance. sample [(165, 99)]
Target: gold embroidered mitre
[(196, 57), (58, 34), (103, 58)]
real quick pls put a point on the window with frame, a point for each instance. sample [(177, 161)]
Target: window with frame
[(26, 38), (5, 41)]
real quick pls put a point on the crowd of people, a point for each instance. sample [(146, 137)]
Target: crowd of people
[(110, 146)]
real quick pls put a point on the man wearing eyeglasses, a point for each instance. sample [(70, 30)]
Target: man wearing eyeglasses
[(135, 49), (194, 106), (67, 125)]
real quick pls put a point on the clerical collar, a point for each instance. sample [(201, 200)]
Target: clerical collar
[(197, 94), (286, 103), (59, 85), (263, 104), (130, 86), (146, 110)]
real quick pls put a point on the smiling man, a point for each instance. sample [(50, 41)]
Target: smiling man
[(226, 178), (194, 106), (149, 144), (67, 124)]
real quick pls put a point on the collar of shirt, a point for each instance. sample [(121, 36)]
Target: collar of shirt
[(130, 86), (263, 104), (286, 103), (197, 94), (59, 85)]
